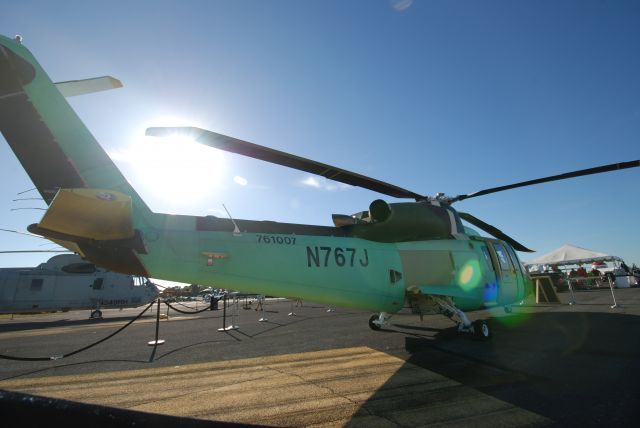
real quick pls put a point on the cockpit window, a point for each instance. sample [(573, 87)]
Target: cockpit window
[(139, 281)]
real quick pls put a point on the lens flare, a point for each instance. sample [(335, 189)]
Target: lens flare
[(470, 275)]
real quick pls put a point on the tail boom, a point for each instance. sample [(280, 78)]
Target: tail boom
[(51, 142)]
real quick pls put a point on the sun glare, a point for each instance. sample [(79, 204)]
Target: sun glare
[(177, 169)]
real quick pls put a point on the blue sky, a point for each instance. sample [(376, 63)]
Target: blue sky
[(434, 96)]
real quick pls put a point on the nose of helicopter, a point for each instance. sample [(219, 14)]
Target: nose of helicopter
[(152, 290)]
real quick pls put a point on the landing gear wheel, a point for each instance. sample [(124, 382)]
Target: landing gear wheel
[(481, 330), (96, 314), (372, 324)]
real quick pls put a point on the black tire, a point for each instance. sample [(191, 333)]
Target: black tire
[(373, 325), (481, 330)]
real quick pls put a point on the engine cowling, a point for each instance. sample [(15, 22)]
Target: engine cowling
[(407, 221)]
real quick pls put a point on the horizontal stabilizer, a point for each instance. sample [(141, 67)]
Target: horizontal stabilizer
[(88, 86), (90, 214)]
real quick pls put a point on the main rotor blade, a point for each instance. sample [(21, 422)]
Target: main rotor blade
[(267, 154), (588, 171), (492, 230), (34, 251)]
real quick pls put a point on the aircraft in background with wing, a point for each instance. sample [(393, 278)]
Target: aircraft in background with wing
[(391, 255)]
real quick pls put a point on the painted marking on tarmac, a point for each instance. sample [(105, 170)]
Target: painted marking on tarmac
[(334, 387)]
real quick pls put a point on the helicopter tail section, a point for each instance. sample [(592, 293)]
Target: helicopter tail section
[(86, 217), (67, 165), (49, 139)]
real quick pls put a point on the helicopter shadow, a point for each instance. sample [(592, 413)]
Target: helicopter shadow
[(574, 368)]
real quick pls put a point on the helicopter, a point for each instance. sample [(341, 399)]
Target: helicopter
[(380, 259), (66, 282)]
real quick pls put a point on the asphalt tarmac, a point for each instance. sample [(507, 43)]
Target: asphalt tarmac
[(546, 365)]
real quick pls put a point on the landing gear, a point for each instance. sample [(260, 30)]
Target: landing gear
[(479, 329), (376, 322), (96, 314), (508, 309)]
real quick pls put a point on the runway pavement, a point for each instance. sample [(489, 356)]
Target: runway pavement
[(551, 364)]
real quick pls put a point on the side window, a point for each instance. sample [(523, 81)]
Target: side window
[(487, 257), (36, 284), (515, 260), (97, 284), (503, 259)]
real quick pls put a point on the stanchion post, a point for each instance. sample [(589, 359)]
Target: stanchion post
[(235, 314), (262, 301), (615, 305), (224, 314), (157, 341), (573, 299)]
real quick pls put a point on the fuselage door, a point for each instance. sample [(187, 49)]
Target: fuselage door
[(506, 272)]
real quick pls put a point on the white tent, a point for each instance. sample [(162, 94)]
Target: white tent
[(571, 255)]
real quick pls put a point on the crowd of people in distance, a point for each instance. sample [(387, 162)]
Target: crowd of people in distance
[(580, 277)]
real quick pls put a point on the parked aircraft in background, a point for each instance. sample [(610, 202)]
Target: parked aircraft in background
[(67, 282)]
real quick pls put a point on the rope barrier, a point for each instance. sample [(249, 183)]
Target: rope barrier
[(186, 312), (59, 357)]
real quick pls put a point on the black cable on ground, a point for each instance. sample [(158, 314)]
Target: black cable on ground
[(59, 357)]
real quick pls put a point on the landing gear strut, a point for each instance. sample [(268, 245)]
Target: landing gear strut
[(478, 329)]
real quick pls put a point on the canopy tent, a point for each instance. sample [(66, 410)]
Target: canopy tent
[(571, 255)]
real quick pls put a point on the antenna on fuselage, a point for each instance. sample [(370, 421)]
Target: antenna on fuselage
[(236, 229)]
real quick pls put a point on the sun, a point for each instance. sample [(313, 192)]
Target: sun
[(176, 169)]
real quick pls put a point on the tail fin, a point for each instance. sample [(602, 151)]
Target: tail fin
[(62, 158), (53, 145)]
